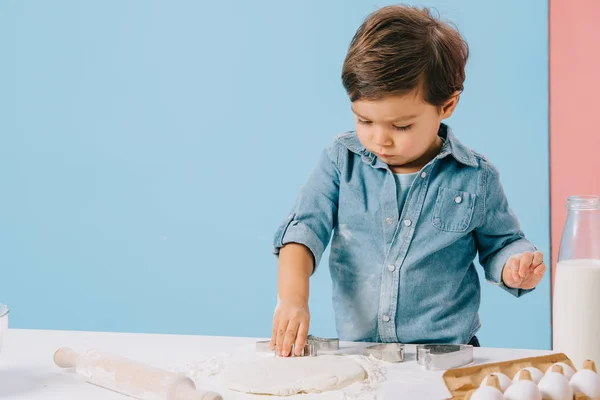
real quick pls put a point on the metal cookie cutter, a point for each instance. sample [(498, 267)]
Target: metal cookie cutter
[(262, 346), (390, 352), (313, 345), (436, 357), (324, 344), (308, 350)]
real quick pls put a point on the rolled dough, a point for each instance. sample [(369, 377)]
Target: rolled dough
[(286, 376)]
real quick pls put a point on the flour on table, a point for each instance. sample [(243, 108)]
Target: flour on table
[(285, 376), (207, 367), (208, 373)]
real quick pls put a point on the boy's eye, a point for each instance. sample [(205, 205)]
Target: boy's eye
[(398, 128), (402, 128)]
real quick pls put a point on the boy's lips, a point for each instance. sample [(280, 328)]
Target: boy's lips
[(380, 155)]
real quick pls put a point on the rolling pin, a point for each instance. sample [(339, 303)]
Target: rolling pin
[(131, 378)]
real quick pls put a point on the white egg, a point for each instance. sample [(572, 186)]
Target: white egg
[(587, 382), (487, 393), (555, 386), (502, 379), (523, 390), (567, 370), (536, 374)]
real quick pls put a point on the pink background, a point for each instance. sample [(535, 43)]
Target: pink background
[(574, 106)]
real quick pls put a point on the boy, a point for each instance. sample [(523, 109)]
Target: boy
[(410, 207)]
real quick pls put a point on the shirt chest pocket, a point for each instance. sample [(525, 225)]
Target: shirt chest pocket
[(453, 210)]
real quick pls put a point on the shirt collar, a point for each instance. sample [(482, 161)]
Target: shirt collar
[(452, 146)]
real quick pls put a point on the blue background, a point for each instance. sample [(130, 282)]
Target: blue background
[(149, 150)]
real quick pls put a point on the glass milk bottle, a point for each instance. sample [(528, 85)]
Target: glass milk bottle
[(576, 299)]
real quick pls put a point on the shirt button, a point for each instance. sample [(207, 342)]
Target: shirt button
[(385, 318), (392, 267), (423, 174), (389, 220), (458, 199), (407, 222)]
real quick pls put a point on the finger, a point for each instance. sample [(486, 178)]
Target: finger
[(540, 269), (538, 258), (301, 338), (281, 328), (273, 341), (508, 275), (531, 282), (534, 279), (290, 337), (507, 272), (513, 267), (525, 263)]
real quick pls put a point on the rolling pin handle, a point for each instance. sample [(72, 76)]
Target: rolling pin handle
[(65, 357)]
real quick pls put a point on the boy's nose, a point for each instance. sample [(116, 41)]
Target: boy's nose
[(381, 137)]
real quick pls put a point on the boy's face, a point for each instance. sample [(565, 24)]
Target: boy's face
[(401, 130)]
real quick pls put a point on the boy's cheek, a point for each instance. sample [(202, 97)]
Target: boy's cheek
[(363, 138)]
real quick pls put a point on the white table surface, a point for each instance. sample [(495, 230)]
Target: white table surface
[(27, 370)]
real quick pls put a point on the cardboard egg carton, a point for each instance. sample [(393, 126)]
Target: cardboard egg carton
[(460, 381)]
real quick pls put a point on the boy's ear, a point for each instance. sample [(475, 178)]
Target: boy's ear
[(450, 105)]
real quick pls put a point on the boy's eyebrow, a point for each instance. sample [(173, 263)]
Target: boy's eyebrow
[(399, 119)]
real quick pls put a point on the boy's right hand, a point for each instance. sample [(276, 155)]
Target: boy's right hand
[(290, 326)]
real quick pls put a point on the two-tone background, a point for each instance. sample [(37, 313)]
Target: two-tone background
[(149, 149)]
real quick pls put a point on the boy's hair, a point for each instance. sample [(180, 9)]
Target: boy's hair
[(398, 49)]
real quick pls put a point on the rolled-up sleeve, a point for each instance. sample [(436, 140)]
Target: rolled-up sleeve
[(315, 210), (499, 236)]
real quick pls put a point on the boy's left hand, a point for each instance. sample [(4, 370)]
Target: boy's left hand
[(524, 271)]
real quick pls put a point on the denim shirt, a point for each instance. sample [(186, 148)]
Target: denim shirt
[(406, 275)]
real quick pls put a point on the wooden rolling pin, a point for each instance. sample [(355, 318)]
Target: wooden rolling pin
[(131, 378)]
